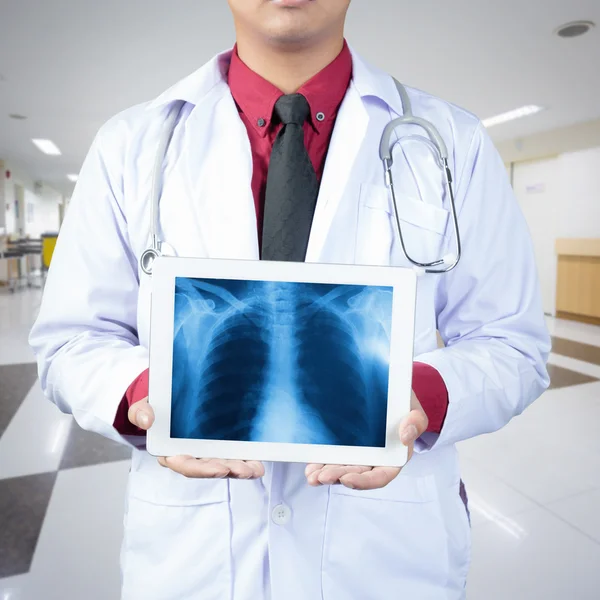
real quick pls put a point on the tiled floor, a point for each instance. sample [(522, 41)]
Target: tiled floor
[(534, 487)]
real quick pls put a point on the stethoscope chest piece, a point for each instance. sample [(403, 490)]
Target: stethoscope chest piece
[(147, 260)]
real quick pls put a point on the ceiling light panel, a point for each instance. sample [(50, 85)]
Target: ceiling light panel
[(519, 113), (47, 147)]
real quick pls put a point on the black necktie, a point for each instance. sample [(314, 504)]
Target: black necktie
[(292, 186)]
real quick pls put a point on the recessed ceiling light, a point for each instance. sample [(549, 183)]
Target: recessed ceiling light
[(47, 147), (519, 113), (17, 117), (574, 29), (73, 178)]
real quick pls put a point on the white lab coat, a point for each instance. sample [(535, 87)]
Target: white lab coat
[(194, 539)]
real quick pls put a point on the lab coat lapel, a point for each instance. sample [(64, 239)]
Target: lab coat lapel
[(342, 169), (219, 169), (212, 212)]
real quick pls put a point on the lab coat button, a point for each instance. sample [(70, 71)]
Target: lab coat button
[(281, 515)]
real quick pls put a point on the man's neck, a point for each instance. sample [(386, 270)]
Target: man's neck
[(288, 69)]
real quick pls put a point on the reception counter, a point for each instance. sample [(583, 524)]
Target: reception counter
[(578, 280)]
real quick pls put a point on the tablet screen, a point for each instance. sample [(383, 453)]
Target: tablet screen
[(285, 362)]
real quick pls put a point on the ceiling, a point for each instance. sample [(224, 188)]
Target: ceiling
[(69, 65)]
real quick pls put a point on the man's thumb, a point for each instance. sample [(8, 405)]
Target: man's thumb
[(141, 414)]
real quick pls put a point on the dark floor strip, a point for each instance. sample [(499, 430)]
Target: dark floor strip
[(15, 383), (561, 378), (23, 505), (84, 449), (584, 352)]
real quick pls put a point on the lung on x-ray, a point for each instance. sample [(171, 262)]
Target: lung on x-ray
[(262, 361)]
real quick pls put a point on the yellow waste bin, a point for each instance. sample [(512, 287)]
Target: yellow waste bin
[(48, 244)]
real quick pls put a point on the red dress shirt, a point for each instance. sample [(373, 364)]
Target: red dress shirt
[(255, 98)]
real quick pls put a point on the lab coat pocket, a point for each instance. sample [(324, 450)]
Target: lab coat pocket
[(177, 535), (404, 488), (423, 226), (382, 542), (149, 482)]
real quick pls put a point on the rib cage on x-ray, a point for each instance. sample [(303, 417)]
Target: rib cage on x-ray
[(281, 362)]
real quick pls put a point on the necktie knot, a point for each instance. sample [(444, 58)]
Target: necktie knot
[(292, 108)]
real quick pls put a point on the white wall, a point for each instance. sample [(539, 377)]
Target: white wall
[(536, 186), (10, 197), (41, 211), (2, 200), (579, 210), (560, 198), (580, 136)]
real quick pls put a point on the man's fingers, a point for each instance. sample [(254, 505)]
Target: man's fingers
[(258, 469), (370, 480), (141, 414), (310, 469), (195, 468), (413, 426), (330, 474), (240, 469), (312, 474), (202, 468)]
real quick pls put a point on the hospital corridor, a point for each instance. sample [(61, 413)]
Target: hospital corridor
[(493, 130)]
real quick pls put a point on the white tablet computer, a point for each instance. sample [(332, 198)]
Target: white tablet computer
[(294, 362)]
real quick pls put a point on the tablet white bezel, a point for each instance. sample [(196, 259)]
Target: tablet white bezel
[(165, 272)]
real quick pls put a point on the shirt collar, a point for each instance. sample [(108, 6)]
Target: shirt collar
[(253, 94), (256, 97), (212, 78), (326, 90)]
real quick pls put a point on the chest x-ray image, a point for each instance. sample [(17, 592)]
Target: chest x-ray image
[(260, 361)]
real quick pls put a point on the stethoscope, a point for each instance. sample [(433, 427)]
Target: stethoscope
[(442, 265)]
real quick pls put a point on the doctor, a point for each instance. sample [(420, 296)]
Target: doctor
[(277, 140)]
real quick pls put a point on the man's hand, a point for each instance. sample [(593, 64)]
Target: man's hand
[(142, 415), (370, 478)]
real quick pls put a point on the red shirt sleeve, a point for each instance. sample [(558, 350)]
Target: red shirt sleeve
[(137, 391), (428, 385), (431, 391)]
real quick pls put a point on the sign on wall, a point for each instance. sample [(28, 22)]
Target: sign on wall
[(537, 188)]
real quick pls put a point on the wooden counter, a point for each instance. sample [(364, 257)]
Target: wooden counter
[(578, 280)]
